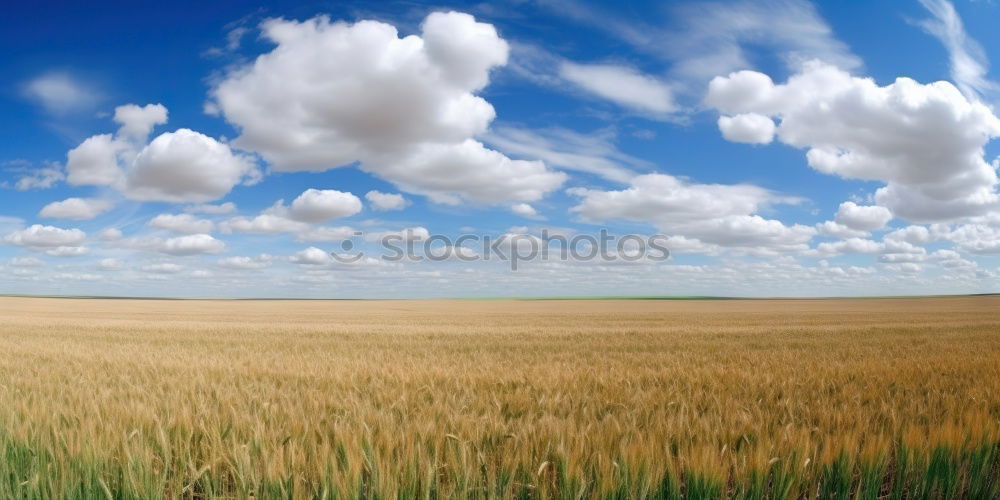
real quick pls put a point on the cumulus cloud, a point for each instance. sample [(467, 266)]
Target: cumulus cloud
[(335, 94), (192, 244), (312, 256), (207, 208), (336, 233), (862, 218), (265, 223), (39, 236), (450, 173), (179, 166), (915, 235), (312, 206), (318, 205), (979, 239), (622, 85), (666, 200), (850, 246), (925, 142), (138, 121), (67, 251), (715, 214), (245, 263), (95, 162), (181, 223), (185, 166), (261, 224), (524, 210), (749, 128), (75, 208), (837, 230), (384, 202)]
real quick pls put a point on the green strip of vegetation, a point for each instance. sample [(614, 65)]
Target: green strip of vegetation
[(28, 472)]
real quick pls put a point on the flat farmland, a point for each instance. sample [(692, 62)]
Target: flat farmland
[(838, 398)]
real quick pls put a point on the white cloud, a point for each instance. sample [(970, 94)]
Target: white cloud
[(163, 268), (837, 230), (332, 94), (749, 128), (524, 210), (915, 235), (890, 249), (109, 234), (179, 166), (37, 177), (75, 208), (714, 214), (667, 200), (850, 246), (315, 205), (450, 173), (242, 263), (593, 153), (925, 142), (67, 251), (337, 233), (862, 218), (220, 209), (95, 162), (110, 264), (752, 232), (192, 244), (907, 268), (181, 223), (39, 236), (185, 166), (25, 262), (622, 85), (138, 121), (979, 239), (60, 93), (311, 206), (265, 223), (713, 37), (77, 277), (701, 40), (312, 256), (384, 202), (418, 233), (969, 65)]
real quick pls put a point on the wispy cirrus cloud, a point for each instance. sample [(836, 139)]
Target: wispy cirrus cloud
[(968, 60), (61, 93)]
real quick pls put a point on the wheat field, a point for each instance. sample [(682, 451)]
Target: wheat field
[(872, 398)]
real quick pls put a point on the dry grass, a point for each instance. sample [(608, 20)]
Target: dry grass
[(500, 399)]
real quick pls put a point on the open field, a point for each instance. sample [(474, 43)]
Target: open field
[(497, 399)]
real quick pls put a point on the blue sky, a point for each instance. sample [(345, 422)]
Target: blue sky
[(780, 147)]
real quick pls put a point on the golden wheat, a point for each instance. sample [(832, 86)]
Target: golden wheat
[(499, 399)]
